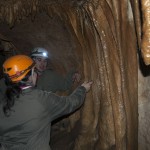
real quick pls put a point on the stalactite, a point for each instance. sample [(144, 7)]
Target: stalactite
[(135, 5), (146, 31)]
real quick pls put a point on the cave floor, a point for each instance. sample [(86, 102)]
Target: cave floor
[(61, 140)]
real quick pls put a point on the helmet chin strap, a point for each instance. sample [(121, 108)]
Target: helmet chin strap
[(33, 76), (31, 82)]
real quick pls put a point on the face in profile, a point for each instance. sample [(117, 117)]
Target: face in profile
[(41, 63)]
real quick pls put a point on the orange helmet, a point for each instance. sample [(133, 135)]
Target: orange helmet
[(16, 67)]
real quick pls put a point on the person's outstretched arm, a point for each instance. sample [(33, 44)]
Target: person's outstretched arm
[(57, 106)]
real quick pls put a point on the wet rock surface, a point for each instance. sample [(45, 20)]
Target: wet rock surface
[(100, 39)]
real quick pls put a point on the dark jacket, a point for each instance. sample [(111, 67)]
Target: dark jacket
[(28, 126), (52, 81), (3, 88)]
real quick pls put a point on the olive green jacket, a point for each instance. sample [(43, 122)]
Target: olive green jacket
[(28, 126), (52, 81)]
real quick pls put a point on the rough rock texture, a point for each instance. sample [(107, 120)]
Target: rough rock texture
[(145, 45)]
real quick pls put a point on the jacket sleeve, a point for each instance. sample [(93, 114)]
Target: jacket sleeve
[(57, 106)]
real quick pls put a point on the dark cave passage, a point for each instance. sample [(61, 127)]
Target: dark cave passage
[(50, 33)]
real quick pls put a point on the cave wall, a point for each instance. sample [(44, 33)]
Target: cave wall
[(112, 43), (46, 32), (106, 34)]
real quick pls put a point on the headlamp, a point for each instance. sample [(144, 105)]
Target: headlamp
[(45, 54)]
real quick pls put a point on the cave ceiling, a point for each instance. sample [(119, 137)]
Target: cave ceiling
[(13, 10)]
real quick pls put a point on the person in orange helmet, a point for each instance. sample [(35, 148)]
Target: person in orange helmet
[(27, 112)]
